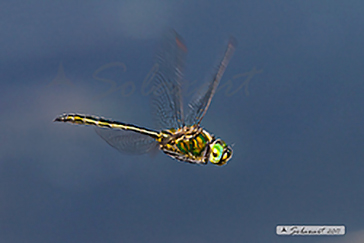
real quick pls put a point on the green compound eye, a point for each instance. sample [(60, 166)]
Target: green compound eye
[(216, 153)]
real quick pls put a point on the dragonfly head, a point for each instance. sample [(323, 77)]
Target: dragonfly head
[(220, 152)]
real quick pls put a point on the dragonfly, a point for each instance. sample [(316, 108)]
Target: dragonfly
[(179, 136)]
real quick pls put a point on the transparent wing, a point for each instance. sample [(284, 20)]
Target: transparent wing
[(166, 99), (201, 101), (128, 142)]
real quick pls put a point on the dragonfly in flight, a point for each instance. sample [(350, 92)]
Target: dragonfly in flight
[(180, 137)]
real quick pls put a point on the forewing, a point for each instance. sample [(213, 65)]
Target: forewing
[(201, 101), (128, 142), (166, 98)]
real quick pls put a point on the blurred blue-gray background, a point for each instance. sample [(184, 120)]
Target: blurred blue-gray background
[(291, 102)]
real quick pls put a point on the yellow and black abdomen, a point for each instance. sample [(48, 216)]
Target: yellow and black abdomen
[(104, 123)]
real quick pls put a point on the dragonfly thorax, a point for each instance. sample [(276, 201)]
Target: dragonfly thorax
[(195, 145), (188, 143)]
